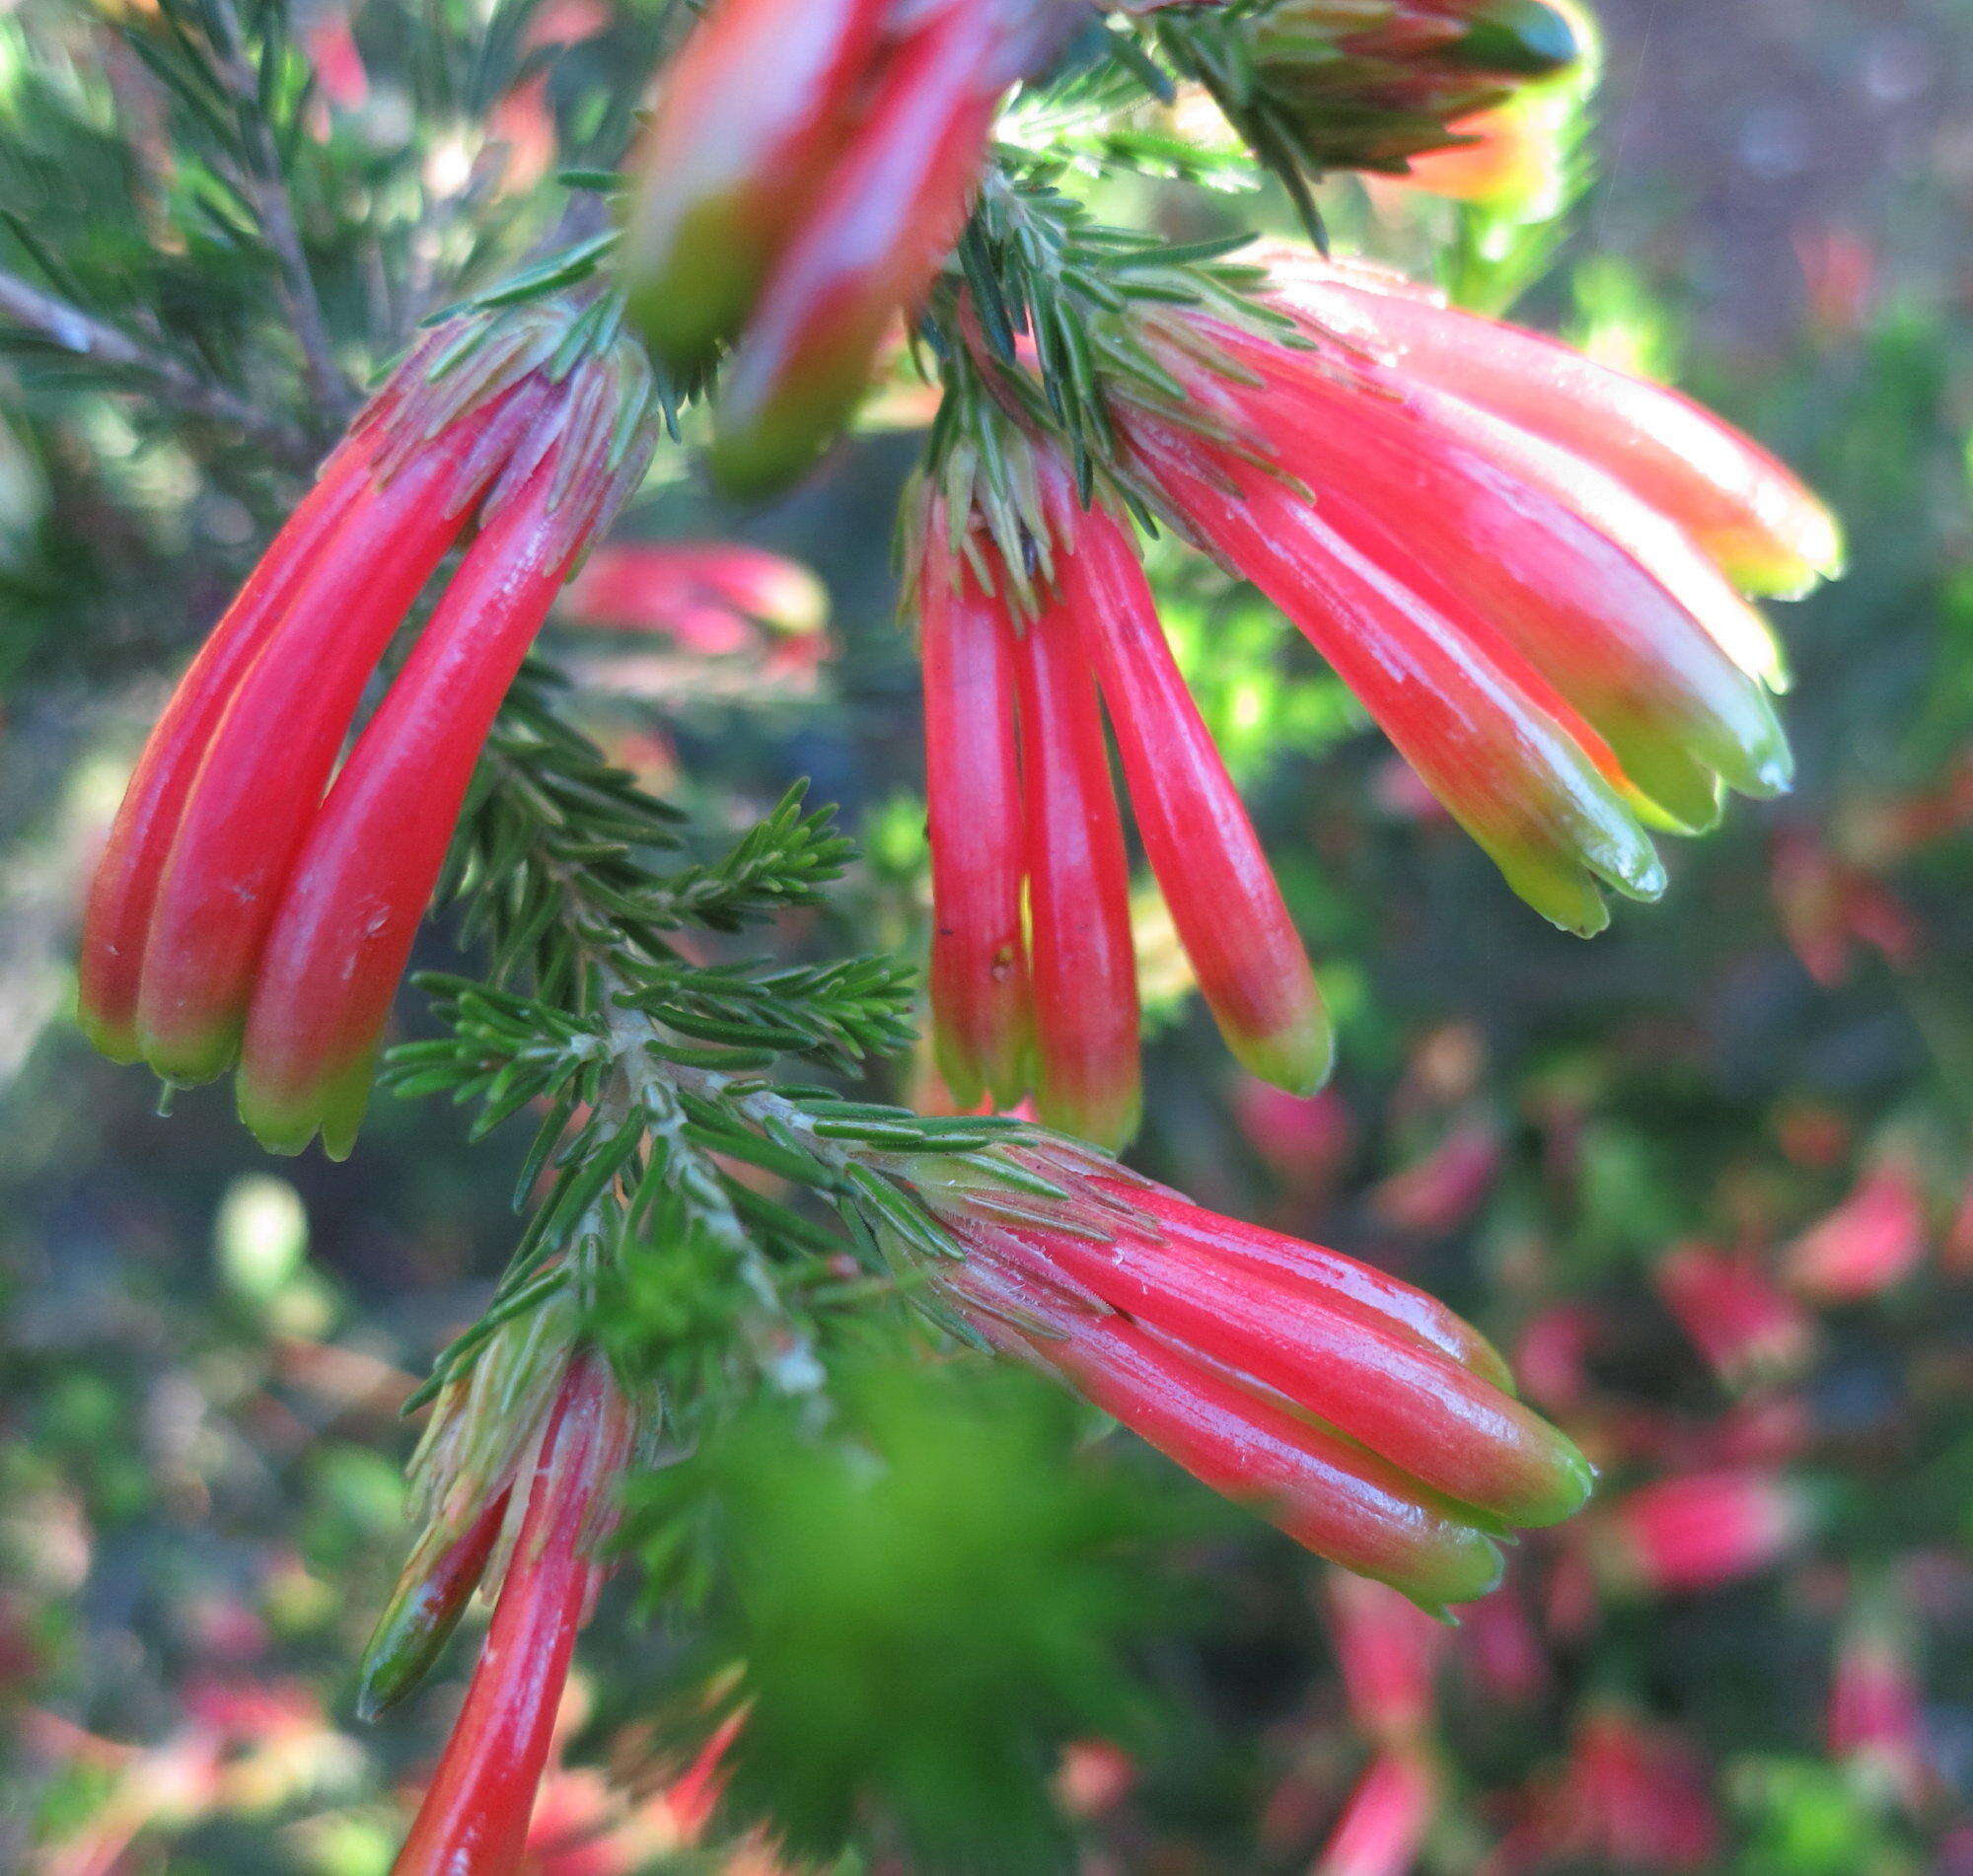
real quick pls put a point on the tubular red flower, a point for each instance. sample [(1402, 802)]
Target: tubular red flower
[(1511, 760), (1319, 1391), (478, 429), (1385, 1818), (1269, 1253), (973, 789), (474, 1820), (869, 247), (1757, 521), (248, 809), (1406, 1401), (1249, 959), (1554, 586), (1083, 968), (126, 884), (1502, 1650), (359, 884), (1323, 1491), (752, 112)]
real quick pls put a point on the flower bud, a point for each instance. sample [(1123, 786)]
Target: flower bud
[(750, 115)]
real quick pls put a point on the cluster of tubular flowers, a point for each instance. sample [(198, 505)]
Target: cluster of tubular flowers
[(1529, 568), (256, 903), (1033, 969), (806, 167), (517, 1479), (1357, 1414), (474, 1818)]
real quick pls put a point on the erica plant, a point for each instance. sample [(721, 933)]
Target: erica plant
[(1536, 573)]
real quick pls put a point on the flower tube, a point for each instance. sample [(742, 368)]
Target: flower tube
[(358, 886), (979, 859), (1326, 1493), (485, 433), (1486, 520), (1251, 966), (124, 885), (1755, 518), (760, 100), (867, 249), (1353, 1411), (1084, 968), (1516, 767), (249, 807), (474, 1819)]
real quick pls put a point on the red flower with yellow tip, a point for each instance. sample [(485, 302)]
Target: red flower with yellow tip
[(1356, 1413), (807, 166), (1033, 971), (256, 903), (1522, 561)]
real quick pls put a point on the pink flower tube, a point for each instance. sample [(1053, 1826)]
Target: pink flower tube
[(1009, 654), (234, 901), (1357, 1414), (978, 844), (1083, 966), (1756, 519), (1511, 761), (1252, 969), (758, 101), (867, 247), (474, 1819), (1544, 624), (124, 885)]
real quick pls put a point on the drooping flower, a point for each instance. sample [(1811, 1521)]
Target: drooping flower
[(1385, 1818), (1873, 1240), (1359, 1415), (1747, 1326), (251, 908), (1023, 814), (1874, 1722), (805, 170), (474, 1817), (1387, 1651), (514, 1484), (1513, 556), (1702, 1530)]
